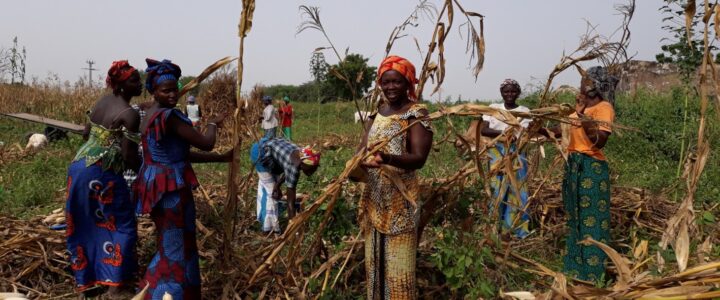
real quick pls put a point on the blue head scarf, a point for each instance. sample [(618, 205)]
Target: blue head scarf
[(160, 71)]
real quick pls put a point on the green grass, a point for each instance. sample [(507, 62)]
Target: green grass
[(33, 184)]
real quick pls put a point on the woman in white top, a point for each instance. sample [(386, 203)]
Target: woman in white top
[(507, 199), (269, 119)]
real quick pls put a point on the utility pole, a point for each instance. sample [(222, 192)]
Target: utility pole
[(90, 63)]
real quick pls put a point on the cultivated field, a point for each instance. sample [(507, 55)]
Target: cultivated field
[(458, 256)]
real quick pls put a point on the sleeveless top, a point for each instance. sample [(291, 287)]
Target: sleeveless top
[(104, 146), (382, 204), (165, 165)]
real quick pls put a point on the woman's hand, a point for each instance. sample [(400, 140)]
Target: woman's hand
[(218, 119), (277, 193), (580, 105), (373, 162)]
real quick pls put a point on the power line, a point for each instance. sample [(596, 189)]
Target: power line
[(90, 63)]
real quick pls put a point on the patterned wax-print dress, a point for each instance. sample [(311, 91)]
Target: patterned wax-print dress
[(586, 196), (163, 187), (388, 219), (100, 216), (512, 202)]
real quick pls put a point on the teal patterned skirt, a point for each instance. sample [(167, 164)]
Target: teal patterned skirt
[(586, 195)]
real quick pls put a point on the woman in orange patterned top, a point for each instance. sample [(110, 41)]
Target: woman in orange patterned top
[(388, 207), (586, 185)]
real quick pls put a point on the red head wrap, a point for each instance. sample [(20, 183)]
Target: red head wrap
[(404, 67), (309, 156), (120, 71)]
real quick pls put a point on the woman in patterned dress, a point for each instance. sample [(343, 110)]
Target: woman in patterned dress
[(101, 231), (511, 208), (586, 185), (165, 181), (389, 210)]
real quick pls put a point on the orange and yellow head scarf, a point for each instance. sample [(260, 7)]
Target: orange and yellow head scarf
[(404, 67)]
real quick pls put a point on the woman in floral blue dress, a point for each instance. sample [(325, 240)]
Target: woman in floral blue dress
[(101, 228)]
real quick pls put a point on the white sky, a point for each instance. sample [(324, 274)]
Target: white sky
[(524, 38)]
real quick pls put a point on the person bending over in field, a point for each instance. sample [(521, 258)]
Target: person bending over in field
[(586, 185), (164, 183), (100, 216), (389, 217), (278, 160), (514, 200)]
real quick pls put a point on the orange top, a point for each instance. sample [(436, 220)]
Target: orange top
[(579, 142)]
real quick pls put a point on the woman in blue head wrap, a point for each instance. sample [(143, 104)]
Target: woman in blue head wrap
[(165, 182)]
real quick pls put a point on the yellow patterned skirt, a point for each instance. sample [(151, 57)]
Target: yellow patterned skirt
[(390, 265)]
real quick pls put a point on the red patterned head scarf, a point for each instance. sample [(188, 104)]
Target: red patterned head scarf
[(120, 71), (404, 67), (309, 156)]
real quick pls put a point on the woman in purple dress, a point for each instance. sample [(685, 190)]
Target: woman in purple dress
[(165, 182)]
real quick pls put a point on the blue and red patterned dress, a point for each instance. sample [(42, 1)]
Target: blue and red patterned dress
[(101, 227), (164, 190)]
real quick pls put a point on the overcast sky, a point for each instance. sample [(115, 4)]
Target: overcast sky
[(524, 38)]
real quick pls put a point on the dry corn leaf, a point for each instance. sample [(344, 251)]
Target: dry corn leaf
[(690, 9), (206, 73), (394, 177), (641, 250), (141, 294), (674, 291), (623, 269), (518, 295), (700, 269), (682, 247), (703, 251), (246, 18)]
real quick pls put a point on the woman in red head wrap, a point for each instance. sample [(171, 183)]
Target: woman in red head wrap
[(101, 231), (389, 217)]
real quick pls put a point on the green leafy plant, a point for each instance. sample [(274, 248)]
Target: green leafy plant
[(684, 49), (465, 261)]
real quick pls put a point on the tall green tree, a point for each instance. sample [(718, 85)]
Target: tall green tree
[(318, 66), (685, 49), (351, 78), (687, 55)]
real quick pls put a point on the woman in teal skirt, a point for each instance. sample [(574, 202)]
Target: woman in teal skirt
[(586, 185)]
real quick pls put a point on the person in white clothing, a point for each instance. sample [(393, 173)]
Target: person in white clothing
[(192, 110), (509, 200), (269, 118)]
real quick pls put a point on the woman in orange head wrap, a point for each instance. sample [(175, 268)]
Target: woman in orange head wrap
[(389, 219)]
